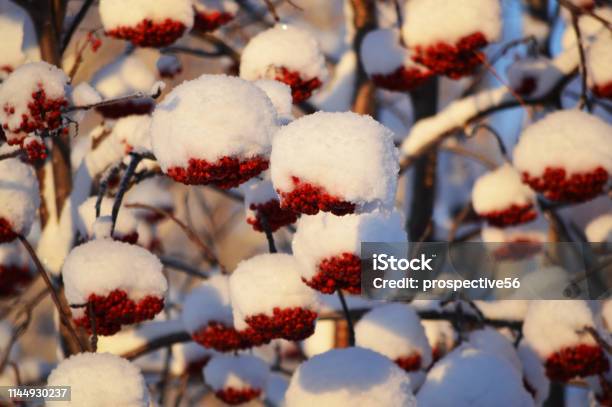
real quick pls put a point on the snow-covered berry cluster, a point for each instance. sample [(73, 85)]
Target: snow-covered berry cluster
[(566, 156), (448, 36), (147, 23), (237, 379), (502, 199), (109, 284), (31, 100), (214, 130), (268, 296), (264, 209), (328, 247), (334, 162), (287, 54)]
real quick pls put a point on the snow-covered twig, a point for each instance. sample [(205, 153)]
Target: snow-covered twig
[(428, 132), (138, 95)]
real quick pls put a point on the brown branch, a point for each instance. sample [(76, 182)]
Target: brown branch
[(584, 100), (364, 20), (272, 10), (63, 313), (76, 21), (209, 256)]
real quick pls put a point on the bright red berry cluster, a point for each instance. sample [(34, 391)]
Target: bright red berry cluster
[(13, 279), (402, 79), (275, 216), (301, 89), (43, 114), (234, 396), (210, 21), (337, 272), (115, 309), (293, 324), (576, 361), (36, 151), (454, 61), (557, 185), (310, 199), (6, 231), (149, 33), (514, 215), (227, 172), (409, 363), (216, 335)]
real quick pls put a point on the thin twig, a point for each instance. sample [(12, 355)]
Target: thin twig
[(58, 305), (193, 236), (580, 10), (175, 49), (347, 316), (494, 133), (584, 100), (263, 219), (125, 181), (179, 265), (272, 10), (14, 154), (479, 158), (122, 99), (78, 18)]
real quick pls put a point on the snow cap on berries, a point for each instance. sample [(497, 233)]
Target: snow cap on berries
[(126, 225), (471, 377), (103, 265), (599, 61), (345, 158), (446, 35), (31, 98), (395, 330), (567, 155), (502, 199), (100, 379), (237, 379), (211, 120), (429, 22), (349, 377), (19, 198), (555, 329), (388, 63), (288, 54), (267, 282), (208, 302), (147, 23), (324, 240), (280, 95), (600, 229), (84, 94)]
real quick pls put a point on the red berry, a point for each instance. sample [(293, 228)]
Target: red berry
[(557, 185), (293, 324), (300, 89), (276, 216), (337, 272), (6, 231), (403, 79), (148, 33), (310, 199), (514, 215), (227, 172), (409, 363), (13, 279), (234, 396), (454, 61), (210, 21), (576, 361)]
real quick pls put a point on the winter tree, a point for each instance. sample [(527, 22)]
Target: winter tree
[(185, 187)]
